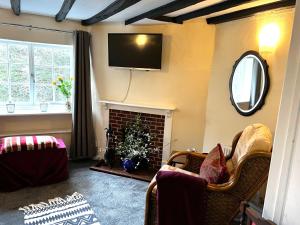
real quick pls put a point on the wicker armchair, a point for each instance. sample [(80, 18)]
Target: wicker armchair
[(252, 215), (248, 175)]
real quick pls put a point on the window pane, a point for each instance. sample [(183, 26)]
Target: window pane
[(43, 68), (44, 93), (42, 56), (3, 52), (43, 74), (62, 71), (49, 61), (18, 53), (20, 93), (4, 92), (59, 96), (61, 56), (19, 73), (3, 72)]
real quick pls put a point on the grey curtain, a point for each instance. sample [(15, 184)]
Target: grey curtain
[(83, 137)]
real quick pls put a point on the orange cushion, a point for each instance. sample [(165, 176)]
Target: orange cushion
[(213, 168)]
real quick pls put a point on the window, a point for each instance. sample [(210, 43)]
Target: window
[(27, 70), (242, 84)]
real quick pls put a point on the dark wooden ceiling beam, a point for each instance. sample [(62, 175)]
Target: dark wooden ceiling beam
[(166, 19), (109, 11), (163, 10), (64, 10), (210, 9), (16, 6), (250, 12)]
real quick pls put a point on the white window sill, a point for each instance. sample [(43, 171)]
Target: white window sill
[(35, 111)]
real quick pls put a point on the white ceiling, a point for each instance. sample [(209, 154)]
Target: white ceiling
[(83, 9)]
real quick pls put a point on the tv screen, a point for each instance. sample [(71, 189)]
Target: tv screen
[(140, 51)]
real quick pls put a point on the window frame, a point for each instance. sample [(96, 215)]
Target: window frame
[(32, 74)]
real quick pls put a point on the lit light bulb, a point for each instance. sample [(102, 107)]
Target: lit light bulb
[(141, 40), (269, 37)]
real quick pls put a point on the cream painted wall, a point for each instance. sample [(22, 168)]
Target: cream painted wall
[(56, 125), (192, 59), (24, 34), (232, 40), (182, 82), (31, 124)]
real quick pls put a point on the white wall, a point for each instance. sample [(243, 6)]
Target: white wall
[(290, 214), (282, 197)]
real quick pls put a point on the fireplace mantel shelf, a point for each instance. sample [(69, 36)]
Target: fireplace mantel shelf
[(166, 108)]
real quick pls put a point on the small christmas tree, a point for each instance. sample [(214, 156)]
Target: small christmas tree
[(136, 143)]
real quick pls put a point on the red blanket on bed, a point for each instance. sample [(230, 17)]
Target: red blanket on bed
[(33, 168), (181, 199)]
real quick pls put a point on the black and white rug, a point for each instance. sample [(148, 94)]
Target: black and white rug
[(70, 210)]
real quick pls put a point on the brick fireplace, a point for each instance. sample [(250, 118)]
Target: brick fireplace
[(158, 118), (118, 119)]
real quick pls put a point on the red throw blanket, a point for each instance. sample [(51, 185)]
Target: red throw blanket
[(23, 143), (181, 199)]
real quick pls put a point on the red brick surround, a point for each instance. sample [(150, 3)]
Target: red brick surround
[(118, 120)]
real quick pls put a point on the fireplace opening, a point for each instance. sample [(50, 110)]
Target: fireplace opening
[(119, 119), (159, 125)]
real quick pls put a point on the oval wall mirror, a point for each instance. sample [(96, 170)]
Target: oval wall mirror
[(249, 83)]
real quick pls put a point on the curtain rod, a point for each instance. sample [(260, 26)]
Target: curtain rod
[(36, 28)]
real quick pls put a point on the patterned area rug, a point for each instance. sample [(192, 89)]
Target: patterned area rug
[(71, 210)]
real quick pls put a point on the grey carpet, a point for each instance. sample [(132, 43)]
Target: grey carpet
[(115, 200)]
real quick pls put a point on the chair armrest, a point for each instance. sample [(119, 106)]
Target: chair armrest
[(250, 214), (193, 160), (148, 215)]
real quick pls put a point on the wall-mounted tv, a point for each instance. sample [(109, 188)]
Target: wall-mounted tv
[(135, 51)]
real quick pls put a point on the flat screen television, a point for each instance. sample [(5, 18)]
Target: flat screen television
[(135, 51)]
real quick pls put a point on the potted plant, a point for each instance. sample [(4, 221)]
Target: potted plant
[(135, 147), (65, 87)]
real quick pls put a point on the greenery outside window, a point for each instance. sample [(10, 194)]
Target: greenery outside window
[(27, 70)]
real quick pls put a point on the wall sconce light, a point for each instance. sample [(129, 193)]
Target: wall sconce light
[(268, 37)]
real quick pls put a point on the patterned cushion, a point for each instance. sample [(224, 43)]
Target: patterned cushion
[(20, 143), (254, 137), (213, 168)]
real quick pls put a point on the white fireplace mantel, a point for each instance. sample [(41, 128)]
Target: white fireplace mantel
[(155, 109), (167, 111)]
